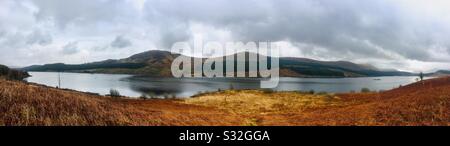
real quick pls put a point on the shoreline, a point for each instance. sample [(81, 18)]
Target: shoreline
[(223, 84), (305, 77)]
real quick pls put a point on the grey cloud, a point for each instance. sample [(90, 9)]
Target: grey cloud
[(2, 33), (70, 48), (319, 22), (345, 29), (13, 41), (82, 11), (175, 33), (38, 37), (100, 48), (121, 42)]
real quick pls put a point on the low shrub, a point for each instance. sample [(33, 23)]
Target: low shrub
[(365, 90), (114, 93)]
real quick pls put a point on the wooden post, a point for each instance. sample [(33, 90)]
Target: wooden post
[(59, 79)]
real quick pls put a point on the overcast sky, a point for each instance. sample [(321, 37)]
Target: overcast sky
[(411, 35)]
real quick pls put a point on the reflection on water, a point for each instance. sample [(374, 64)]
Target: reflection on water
[(132, 86)]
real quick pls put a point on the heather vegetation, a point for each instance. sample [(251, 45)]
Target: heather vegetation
[(30, 104), (422, 103)]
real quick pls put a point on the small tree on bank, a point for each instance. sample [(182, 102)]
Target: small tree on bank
[(114, 93), (365, 90)]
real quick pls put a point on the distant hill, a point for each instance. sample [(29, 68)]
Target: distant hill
[(6, 72), (439, 73), (158, 63), (314, 68), (155, 63)]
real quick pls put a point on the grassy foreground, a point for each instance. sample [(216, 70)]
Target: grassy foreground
[(28, 104), (422, 103)]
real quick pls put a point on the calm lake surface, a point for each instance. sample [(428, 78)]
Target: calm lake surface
[(132, 86)]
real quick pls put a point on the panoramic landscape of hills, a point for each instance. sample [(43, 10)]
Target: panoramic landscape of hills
[(422, 103), (329, 63), (158, 63)]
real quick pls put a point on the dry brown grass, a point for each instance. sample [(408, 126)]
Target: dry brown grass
[(251, 102), (423, 103), (27, 104)]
